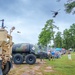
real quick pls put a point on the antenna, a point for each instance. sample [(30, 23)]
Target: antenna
[(2, 24)]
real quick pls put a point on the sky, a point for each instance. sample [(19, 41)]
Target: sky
[(30, 16)]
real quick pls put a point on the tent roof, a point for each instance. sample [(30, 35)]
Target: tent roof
[(58, 49)]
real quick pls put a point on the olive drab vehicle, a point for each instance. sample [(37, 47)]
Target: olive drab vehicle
[(5, 49), (23, 52)]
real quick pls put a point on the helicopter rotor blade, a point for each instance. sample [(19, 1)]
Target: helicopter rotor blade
[(59, 9), (52, 11)]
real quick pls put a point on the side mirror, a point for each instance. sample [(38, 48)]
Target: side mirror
[(11, 30)]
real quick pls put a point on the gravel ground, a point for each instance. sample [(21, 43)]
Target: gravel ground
[(25, 69)]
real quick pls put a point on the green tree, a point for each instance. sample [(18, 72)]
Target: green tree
[(69, 7), (69, 37), (66, 38), (47, 33), (58, 40), (72, 35)]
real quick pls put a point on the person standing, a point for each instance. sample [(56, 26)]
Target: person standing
[(49, 55), (53, 55), (69, 55), (41, 56)]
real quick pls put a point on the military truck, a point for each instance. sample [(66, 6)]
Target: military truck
[(5, 49), (23, 52)]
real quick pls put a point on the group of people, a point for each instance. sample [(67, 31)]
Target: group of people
[(51, 55)]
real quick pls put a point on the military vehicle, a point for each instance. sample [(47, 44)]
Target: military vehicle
[(23, 52), (5, 49)]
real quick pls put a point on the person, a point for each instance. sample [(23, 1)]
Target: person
[(41, 56), (59, 54), (69, 55), (53, 55), (49, 55), (56, 54)]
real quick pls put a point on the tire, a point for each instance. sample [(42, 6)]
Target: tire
[(18, 59), (30, 59), (6, 68)]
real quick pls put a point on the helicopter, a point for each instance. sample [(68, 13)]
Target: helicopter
[(55, 13)]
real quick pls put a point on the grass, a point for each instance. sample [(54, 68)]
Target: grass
[(62, 66)]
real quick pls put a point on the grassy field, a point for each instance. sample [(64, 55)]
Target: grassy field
[(62, 66)]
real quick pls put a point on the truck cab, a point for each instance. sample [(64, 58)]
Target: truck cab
[(5, 50)]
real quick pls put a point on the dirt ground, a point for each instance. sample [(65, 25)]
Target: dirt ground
[(25, 69)]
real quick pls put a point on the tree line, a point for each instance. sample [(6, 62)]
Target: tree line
[(65, 39)]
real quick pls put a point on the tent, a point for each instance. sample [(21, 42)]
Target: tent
[(58, 49)]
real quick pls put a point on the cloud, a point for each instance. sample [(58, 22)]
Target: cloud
[(30, 16)]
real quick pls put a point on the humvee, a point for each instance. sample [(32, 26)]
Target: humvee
[(5, 49)]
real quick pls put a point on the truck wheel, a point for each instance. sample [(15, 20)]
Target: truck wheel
[(30, 59), (6, 68), (18, 59)]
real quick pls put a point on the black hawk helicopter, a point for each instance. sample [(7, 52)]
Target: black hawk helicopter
[(55, 13)]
